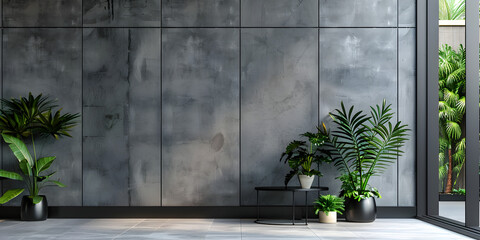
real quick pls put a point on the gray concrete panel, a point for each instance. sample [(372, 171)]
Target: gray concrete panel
[(42, 13), (279, 13), (279, 102), (122, 97), (200, 117), (407, 13), (201, 13), (358, 13), (122, 13), (359, 67), (49, 61), (407, 114)]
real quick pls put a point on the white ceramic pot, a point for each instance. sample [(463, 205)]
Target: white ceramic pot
[(331, 218), (306, 181)]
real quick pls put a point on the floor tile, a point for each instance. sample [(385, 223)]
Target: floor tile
[(215, 229)]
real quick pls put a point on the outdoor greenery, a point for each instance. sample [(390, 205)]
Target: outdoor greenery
[(301, 156), (363, 146), (460, 191), (329, 203), (451, 106), (452, 9), (27, 119)]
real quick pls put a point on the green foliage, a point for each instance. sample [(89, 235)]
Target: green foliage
[(32, 177), (23, 119), (452, 9), (460, 191), (363, 146), (32, 115), (10, 194), (301, 156), (451, 113), (329, 203)]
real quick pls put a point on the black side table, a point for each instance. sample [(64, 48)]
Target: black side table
[(293, 190)]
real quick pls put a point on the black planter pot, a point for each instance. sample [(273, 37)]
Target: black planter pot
[(34, 212), (360, 211)]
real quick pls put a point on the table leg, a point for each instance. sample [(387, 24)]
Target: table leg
[(293, 208), (306, 208), (258, 209)]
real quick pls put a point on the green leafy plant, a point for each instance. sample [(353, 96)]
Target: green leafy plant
[(451, 9), (451, 107), (31, 171), (301, 156), (28, 118), (363, 146), (329, 203), (460, 191)]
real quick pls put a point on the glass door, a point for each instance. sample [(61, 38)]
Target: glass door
[(451, 109), (449, 112)]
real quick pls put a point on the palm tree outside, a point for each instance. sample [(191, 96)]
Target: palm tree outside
[(452, 83)]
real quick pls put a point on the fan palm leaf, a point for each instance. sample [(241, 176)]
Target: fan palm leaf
[(364, 145)]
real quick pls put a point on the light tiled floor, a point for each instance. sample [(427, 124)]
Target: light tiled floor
[(72, 229)]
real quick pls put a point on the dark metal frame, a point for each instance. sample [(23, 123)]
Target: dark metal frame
[(427, 118), (287, 189)]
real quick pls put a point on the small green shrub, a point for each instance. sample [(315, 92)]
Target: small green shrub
[(329, 203)]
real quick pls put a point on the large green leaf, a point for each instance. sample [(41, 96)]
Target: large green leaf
[(44, 163), (18, 148), (26, 169), (10, 175), (10, 194)]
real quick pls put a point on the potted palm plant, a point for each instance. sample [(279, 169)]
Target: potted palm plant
[(301, 158), (363, 146), (327, 207), (27, 119)]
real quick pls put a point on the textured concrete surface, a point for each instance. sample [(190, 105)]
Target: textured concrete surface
[(43, 13), (200, 13), (210, 229), (49, 61), (407, 12), (122, 13), (279, 13), (358, 13), (200, 124), (290, 79), (122, 97), (359, 67), (279, 101), (407, 113)]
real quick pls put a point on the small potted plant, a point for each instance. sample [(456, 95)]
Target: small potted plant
[(327, 207), (301, 158), (363, 146), (27, 119)]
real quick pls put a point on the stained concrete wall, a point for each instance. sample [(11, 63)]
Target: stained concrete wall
[(191, 102)]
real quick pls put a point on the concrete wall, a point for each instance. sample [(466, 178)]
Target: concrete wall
[(191, 102)]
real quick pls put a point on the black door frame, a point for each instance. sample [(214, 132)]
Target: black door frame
[(427, 118)]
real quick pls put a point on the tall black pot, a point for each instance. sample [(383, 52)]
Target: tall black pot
[(34, 212), (364, 210)]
